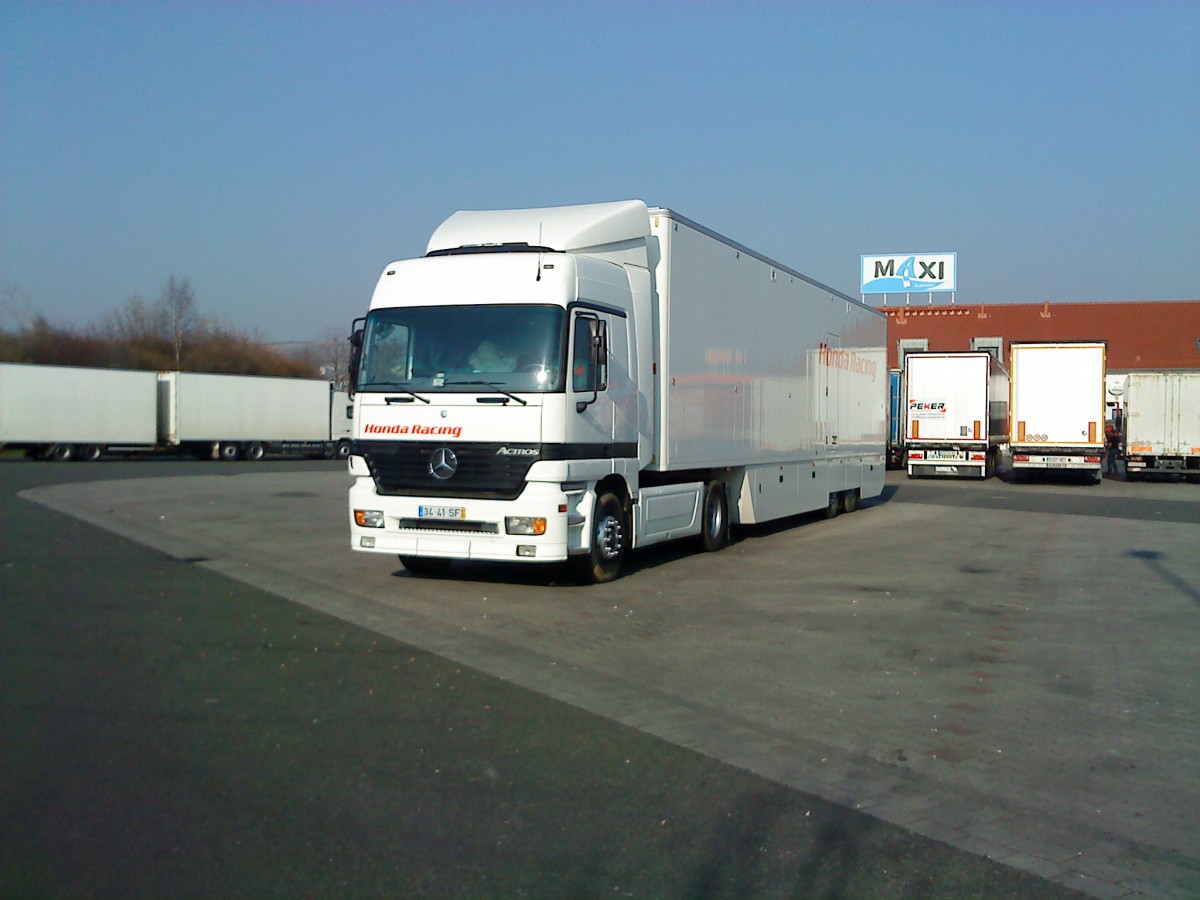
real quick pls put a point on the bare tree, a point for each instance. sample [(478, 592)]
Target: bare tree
[(178, 305), (16, 309), (335, 355), (133, 322)]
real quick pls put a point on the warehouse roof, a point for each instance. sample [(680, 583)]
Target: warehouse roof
[(1147, 334)]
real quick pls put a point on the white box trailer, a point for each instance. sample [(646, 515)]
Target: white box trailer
[(574, 382), (74, 412), (248, 416), (1161, 425), (956, 413), (1057, 409)]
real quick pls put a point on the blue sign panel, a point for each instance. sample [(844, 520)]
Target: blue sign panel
[(909, 273)]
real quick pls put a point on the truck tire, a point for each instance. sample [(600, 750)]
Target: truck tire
[(60, 452), (610, 540), (342, 450), (228, 452), (850, 501), (90, 453), (425, 565), (714, 532), (254, 452), (834, 507)]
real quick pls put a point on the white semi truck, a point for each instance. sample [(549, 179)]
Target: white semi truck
[(74, 412), (1162, 424), (1057, 411), (249, 416), (70, 412), (956, 413), (574, 382)]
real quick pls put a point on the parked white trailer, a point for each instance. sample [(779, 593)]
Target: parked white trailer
[(73, 412), (246, 417), (956, 413), (575, 382), (1162, 423), (1058, 406)]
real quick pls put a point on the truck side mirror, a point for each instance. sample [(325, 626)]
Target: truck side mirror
[(356, 342), (597, 373)]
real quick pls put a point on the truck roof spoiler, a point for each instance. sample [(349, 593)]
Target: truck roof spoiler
[(561, 229)]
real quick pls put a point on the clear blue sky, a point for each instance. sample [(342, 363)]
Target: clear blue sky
[(280, 154)]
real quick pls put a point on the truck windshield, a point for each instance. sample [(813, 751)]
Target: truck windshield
[(477, 349)]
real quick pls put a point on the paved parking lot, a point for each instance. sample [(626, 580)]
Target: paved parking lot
[(1011, 669)]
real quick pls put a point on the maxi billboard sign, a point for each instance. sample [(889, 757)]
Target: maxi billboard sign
[(909, 273)]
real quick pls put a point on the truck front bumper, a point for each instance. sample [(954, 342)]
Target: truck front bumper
[(450, 528)]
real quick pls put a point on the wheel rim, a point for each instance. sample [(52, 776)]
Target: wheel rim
[(609, 537), (716, 519)]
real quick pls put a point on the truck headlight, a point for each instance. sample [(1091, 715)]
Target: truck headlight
[(524, 525), (368, 518)]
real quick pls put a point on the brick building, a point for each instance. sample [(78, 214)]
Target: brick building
[(1145, 335), (1142, 335)]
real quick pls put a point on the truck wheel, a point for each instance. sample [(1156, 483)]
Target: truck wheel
[(834, 507), (90, 453), (850, 501), (610, 539), (715, 533), (342, 451), (60, 452), (227, 452), (253, 452), (425, 565)]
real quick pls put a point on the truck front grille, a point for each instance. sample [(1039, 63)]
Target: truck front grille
[(480, 471), (441, 526)]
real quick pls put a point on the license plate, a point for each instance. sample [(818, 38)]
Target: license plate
[(442, 512), (946, 454)]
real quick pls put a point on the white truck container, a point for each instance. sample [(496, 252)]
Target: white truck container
[(956, 413), (248, 416), (1162, 424), (73, 412), (1058, 406), (574, 382)]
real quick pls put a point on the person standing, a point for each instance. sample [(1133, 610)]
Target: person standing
[(1112, 447)]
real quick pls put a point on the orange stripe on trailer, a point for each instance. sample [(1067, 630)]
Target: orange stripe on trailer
[(1092, 432), (916, 428), (1021, 431), (978, 429)]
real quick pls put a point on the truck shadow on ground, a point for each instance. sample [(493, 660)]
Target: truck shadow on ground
[(643, 560), (1050, 477), (1154, 562)]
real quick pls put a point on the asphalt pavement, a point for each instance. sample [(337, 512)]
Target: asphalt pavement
[(173, 731)]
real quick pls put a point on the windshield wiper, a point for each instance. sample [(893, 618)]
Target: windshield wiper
[(494, 387), (393, 384)]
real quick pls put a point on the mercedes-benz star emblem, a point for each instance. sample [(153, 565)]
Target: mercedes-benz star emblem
[(443, 463)]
